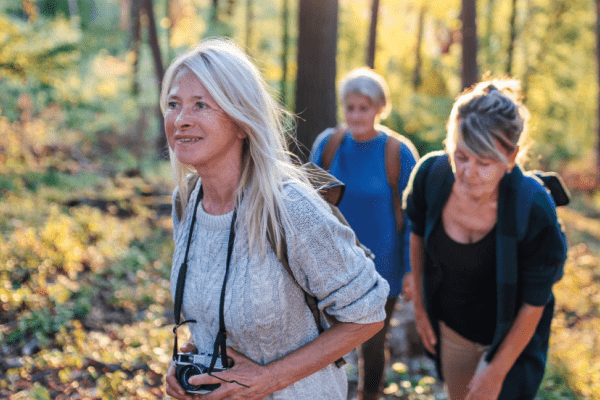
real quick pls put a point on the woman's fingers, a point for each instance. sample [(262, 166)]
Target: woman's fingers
[(189, 347), (425, 330), (173, 387)]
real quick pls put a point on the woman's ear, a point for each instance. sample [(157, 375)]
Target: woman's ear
[(512, 159), (242, 134)]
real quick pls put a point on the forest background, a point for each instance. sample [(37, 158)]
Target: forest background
[(85, 230)]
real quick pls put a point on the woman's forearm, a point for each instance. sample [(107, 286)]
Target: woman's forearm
[(519, 335), (329, 346), (417, 259)]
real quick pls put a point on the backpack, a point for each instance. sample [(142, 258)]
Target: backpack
[(332, 191), (392, 159)]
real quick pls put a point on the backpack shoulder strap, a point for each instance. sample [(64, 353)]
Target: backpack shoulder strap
[(331, 146), (392, 171), (192, 179), (311, 301)]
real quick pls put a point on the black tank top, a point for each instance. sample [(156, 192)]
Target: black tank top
[(466, 299)]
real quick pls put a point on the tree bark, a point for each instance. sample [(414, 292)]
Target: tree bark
[(134, 45), (373, 34), (417, 77), (469, 44), (249, 22), (512, 38), (315, 83), (598, 58), (214, 11), (159, 71)]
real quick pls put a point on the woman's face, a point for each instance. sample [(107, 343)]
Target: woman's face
[(199, 132), (360, 115), (475, 175)]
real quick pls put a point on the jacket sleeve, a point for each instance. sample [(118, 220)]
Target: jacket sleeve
[(541, 253)]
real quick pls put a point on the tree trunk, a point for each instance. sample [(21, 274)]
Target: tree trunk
[(598, 57), (249, 22), (417, 77), (159, 71), (74, 14), (285, 49), (315, 84), (513, 36), (214, 11), (469, 44), (372, 34), (487, 38), (134, 45)]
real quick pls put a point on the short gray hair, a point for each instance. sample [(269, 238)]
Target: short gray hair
[(366, 82), (489, 110)]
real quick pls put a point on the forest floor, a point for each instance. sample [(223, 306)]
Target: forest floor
[(410, 371)]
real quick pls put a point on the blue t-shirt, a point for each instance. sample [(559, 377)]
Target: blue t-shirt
[(368, 202)]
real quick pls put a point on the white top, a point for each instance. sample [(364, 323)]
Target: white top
[(266, 315)]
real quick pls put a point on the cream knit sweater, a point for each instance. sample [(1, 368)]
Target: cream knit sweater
[(265, 313)]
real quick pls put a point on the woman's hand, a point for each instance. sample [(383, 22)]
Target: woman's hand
[(486, 385), (258, 380), (173, 387), (424, 328), (408, 285)]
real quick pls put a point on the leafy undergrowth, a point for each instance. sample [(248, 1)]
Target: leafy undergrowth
[(85, 308)]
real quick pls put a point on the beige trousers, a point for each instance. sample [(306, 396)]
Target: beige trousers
[(461, 359)]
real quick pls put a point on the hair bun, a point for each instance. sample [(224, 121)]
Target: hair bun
[(490, 88)]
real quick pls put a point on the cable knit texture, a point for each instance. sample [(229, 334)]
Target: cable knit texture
[(266, 315)]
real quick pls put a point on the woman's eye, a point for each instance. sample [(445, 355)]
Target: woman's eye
[(200, 105), (171, 104)]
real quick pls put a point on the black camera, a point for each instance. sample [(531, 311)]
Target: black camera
[(190, 364)]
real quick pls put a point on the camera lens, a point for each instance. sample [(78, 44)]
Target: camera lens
[(185, 374)]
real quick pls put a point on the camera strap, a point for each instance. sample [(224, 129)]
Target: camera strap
[(221, 340)]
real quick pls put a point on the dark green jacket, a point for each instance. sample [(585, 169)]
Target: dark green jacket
[(531, 250)]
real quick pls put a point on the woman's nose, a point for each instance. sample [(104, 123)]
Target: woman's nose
[(183, 120)]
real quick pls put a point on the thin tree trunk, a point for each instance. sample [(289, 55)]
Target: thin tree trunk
[(372, 34), (513, 36), (136, 37), (315, 83), (469, 44), (487, 38), (159, 71), (249, 23), (214, 11), (74, 14), (285, 49), (598, 58), (417, 77)]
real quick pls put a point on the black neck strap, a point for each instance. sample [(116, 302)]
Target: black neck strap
[(221, 340)]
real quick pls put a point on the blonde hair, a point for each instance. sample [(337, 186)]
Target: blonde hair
[(489, 110), (238, 88), (366, 82)]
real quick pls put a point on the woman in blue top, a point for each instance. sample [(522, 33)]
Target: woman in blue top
[(486, 249), (356, 154)]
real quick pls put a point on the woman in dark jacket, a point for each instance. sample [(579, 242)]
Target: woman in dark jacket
[(486, 249)]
